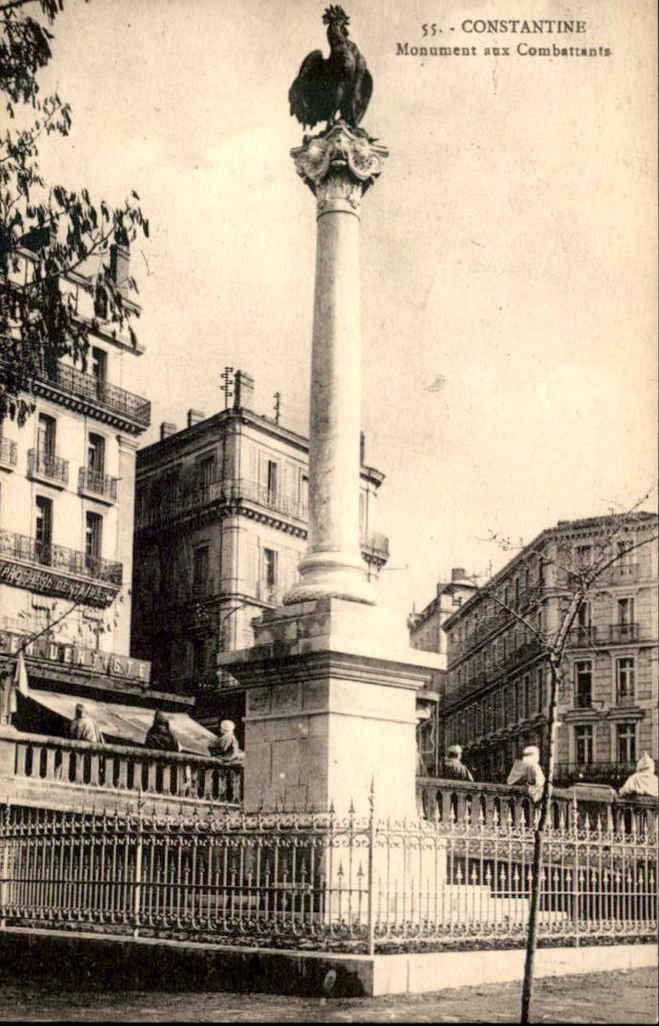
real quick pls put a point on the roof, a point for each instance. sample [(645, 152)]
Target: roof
[(128, 723), (562, 528)]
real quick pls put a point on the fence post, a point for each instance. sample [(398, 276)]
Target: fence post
[(4, 863), (138, 869), (371, 845), (575, 883)]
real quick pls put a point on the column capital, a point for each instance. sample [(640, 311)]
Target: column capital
[(339, 165)]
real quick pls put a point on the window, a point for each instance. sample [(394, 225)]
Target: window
[(93, 540), (623, 551), (199, 657), (626, 742), (269, 567), (625, 623), (625, 679), (96, 455), (527, 697), (304, 494), (200, 570), (99, 364), (516, 592), (46, 437), (272, 481), (583, 684), (540, 690), (43, 530), (206, 470), (584, 615), (99, 370), (584, 556), (101, 302)]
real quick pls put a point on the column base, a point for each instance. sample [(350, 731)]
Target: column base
[(331, 575), (331, 708)]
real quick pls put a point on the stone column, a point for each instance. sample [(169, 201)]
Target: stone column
[(338, 166)]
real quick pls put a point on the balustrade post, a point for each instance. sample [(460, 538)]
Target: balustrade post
[(137, 902)]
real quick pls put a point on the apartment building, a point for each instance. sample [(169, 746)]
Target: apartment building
[(495, 692), (221, 524), (67, 480), (426, 630)]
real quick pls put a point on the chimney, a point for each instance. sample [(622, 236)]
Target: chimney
[(195, 417), (119, 263), (167, 429), (362, 448), (243, 385), (458, 573)]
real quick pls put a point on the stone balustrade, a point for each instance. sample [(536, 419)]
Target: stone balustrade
[(465, 802), (55, 772)]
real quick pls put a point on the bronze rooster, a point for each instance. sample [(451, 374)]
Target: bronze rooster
[(340, 84)]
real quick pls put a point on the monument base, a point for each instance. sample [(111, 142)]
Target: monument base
[(330, 710)]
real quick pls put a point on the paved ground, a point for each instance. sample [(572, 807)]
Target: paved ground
[(625, 996)]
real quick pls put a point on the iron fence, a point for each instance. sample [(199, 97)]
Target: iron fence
[(320, 881)]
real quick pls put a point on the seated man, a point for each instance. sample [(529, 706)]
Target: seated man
[(453, 767), (527, 770), (160, 735), (644, 781), (83, 728), (226, 746)]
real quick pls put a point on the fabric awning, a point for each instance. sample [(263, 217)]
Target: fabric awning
[(128, 723)]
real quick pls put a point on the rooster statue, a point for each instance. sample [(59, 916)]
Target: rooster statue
[(340, 84)]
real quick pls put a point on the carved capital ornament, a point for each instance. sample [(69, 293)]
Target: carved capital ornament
[(339, 166)]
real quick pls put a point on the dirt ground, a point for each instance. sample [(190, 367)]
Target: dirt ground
[(624, 996)]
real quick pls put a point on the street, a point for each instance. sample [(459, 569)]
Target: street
[(628, 996)]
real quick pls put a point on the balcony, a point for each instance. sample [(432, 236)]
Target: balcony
[(621, 633), (47, 468), (200, 494), (582, 637), (59, 557), (612, 773), (8, 453), (100, 394), (98, 485), (375, 548)]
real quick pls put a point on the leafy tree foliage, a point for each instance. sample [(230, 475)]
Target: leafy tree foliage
[(47, 231)]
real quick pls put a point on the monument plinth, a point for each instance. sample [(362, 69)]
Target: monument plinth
[(338, 166)]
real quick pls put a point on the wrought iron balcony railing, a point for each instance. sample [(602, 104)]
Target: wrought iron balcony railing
[(621, 632), (99, 392), (582, 637), (43, 464), (375, 546), (59, 557), (8, 452), (90, 480)]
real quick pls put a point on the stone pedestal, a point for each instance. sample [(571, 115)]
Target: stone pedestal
[(338, 166), (330, 708)]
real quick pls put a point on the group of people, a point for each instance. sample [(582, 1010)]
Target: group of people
[(527, 771), (160, 735)]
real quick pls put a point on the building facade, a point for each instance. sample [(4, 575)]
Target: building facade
[(67, 481), (495, 693), (426, 630), (221, 524)]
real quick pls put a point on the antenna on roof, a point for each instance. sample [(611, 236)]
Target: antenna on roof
[(227, 381)]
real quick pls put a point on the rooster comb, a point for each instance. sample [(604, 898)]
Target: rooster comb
[(335, 13)]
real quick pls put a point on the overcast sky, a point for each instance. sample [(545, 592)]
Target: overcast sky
[(508, 250)]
